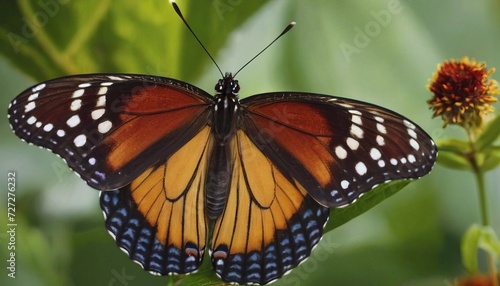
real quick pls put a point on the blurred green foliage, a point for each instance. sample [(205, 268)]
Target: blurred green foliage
[(381, 51)]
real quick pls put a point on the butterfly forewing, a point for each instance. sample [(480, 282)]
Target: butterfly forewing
[(110, 128), (336, 148)]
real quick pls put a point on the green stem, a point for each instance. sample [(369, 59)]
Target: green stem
[(483, 204), (482, 197)]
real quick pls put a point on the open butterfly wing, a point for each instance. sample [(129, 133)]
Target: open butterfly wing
[(336, 148), (159, 219), (294, 155), (110, 128), (269, 225)]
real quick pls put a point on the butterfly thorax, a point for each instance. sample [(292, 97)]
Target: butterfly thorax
[(225, 109), (224, 125)]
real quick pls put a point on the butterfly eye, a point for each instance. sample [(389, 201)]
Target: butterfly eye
[(219, 87), (235, 87)]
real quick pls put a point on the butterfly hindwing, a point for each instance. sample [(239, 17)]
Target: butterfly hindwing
[(110, 128), (269, 225), (159, 219), (336, 148)]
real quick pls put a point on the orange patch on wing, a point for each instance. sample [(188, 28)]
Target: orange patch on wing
[(183, 164), (255, 209), (155, 99), (174, 203), (141, 131), (306, 117), (303, 131), (260, 175)]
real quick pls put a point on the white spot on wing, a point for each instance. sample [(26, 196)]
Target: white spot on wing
[(48, 127), (381, 163), (38, 87), (104, 126), (80, 140), (348, 106), (60, 133), (375, 154), (408, 124), (73, 121), (33, 96), (381, 128), (76, 104), (101, 101), (31, 120), (380, 140), (78, 93), (361, 168), (30, 106), (357, 119), (414, 144), (356, 131), (344, 184), (340, 152), (102, 90), (84, 85), (96, 114), (411, 159), (352, 143), (112, 77), (412, 133)]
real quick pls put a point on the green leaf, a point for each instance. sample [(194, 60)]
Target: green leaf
[(453, 160), (489, 135), (47, 39), (475, 238), (453, 145), (491, 159), (469, 247), (339, 216), (489, 241)]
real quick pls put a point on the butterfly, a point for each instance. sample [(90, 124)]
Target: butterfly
[(250, 179)]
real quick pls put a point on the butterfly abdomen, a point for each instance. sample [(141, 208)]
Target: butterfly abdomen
[(218, 180)]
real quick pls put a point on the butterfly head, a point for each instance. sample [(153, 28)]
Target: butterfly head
[(227, 85)]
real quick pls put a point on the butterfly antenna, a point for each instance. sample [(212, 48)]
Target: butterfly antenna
[(178, 11), (288, 28)]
